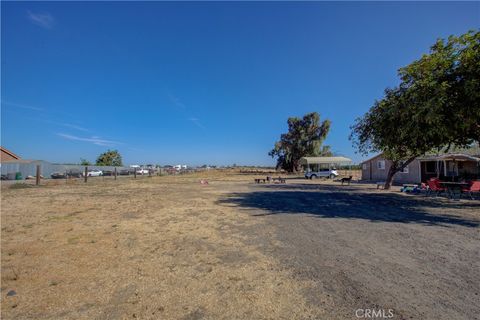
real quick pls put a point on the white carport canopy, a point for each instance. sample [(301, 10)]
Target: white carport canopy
[(325, 160)]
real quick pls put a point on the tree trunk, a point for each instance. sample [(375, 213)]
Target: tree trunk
[(394, 168), (391, 173)]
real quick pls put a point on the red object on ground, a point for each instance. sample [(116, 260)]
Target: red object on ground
[(434, 185), (473, 187)]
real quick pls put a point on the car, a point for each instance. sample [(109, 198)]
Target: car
[(124, 172), (142, 171), (58, 175), (321, 173), (74, 173), (107, 173), (95, 173)]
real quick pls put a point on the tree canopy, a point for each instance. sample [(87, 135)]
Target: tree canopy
[(109, 158), (304, 138), (435, 106), (84, 162)]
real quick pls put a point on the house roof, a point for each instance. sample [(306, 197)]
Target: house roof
[(370, 159), (10, 153), (451, 157), (325, 160), (471, 153), (473, 150)]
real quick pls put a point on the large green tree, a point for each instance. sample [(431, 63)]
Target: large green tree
[(436, 105), (109, 158), (304, 138)]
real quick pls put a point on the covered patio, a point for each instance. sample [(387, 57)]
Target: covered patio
[(451, 167)]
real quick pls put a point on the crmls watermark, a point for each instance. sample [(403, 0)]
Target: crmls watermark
[(374, 313)]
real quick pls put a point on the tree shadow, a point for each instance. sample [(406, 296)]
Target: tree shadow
[(350, 202)]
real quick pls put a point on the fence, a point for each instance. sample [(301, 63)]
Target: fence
[(10, 169)]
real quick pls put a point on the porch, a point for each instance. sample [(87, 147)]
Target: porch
[(450, 167)]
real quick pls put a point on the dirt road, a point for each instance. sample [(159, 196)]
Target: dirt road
[(371, 249)]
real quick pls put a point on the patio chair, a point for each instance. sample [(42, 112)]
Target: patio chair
[(474, 187), (435, 187)]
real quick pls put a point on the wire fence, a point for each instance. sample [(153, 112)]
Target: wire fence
[(38, 170)]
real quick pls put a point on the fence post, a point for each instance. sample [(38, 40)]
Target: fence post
[(135, 173), (37, 182), (86, 174), (115, 173)]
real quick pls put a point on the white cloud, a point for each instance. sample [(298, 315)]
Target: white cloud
[(74, 126), (183, 109), (95, 140), (21, 106), (176, 102), (42, 19), (197, 122)]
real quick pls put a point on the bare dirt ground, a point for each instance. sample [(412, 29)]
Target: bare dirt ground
[(171, 248)]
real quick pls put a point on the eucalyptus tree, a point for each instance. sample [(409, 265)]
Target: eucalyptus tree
[(109, 158), (304, 138)]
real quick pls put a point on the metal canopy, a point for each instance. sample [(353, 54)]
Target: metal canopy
[(325, 160)]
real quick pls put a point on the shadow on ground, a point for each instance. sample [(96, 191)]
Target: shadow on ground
[(327, 201)]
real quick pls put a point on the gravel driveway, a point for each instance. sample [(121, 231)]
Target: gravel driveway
[(416, 257)]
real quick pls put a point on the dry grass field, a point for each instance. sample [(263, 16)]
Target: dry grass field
[(149, 249), (172, 248)]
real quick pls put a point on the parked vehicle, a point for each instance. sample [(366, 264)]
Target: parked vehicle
[(107, 173), (58, 175), (95, 173), (321, 173), (74, 173), (124, 172), (142, 171)]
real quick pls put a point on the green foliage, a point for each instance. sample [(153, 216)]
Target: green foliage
[(109, 158), (304, 138), (85, 162), (326, 151), (436, 105)]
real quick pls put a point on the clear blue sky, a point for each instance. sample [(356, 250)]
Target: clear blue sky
[(203, 82)]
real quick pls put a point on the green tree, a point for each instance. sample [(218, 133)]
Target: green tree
[(84, 162), (326, 151), (109, 158), (304, 138), (435, 106)]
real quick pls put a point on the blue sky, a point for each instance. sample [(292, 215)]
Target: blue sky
[(204, 82)]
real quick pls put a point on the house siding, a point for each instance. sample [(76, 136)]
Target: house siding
[(371, 171)]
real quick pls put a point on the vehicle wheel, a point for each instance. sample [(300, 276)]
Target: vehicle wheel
[(313, 177), (332, 176)]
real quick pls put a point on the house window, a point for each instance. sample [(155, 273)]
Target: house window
[(364, 166), (381, 164), (405, 170)]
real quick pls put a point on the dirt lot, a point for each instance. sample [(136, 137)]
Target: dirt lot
[(171, 248)]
